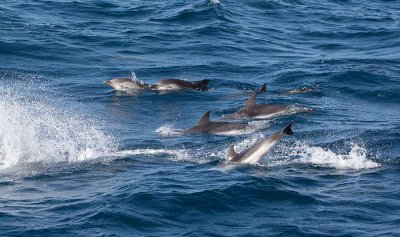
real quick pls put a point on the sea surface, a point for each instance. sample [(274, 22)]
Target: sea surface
[(80, 159)]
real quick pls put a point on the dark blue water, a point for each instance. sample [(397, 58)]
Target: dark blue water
[(79, 159)]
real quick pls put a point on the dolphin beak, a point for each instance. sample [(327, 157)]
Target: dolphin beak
[(108, 83)]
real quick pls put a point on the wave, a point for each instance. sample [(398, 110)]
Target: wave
[(200, 11)]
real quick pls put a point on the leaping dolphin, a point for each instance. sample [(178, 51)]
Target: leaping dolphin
[(257, 151), (126, 84), (177, 84), (259, 111), (223, 128)]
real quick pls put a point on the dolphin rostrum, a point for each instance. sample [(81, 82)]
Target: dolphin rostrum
[(223, 128), (126, 84), (177, 84), (260, 111), (257, 151)]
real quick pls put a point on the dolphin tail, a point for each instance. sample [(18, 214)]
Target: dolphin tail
[(288, 129)]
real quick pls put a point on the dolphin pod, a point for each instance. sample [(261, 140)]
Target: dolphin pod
[(126, 84), (250, 110)]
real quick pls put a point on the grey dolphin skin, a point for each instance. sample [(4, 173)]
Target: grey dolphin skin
[(126, 84), (254, 110), (206, 126), (177, 84), (257, 151)]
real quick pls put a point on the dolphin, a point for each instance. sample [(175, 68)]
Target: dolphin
[(223, 128), (257, 151), (177, 84), (126, 84), (259, 111)]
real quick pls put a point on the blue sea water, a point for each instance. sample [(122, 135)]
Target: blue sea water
[(79, 159)]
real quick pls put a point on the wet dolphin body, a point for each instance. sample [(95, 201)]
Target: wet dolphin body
[(257, 151), (126, 84), (260, 111), (177, 84), (206, 126)]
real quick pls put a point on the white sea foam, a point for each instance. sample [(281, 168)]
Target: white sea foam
[(179, 154), (176, 155), (355, 159), (34, 131), (168, 130), (214, 2)]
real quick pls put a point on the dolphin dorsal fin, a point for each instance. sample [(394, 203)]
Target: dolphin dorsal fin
[(232, 155), (251, 101), (263, 88), (205, 118), (288, 129)]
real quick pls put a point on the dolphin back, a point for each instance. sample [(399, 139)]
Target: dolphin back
[(200, 85)]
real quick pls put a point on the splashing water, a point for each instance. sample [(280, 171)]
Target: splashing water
[(168, 130), (133, 76), (33, 131), (356, 159), (135, 79)]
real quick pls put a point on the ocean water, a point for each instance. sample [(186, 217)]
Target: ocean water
[(79, 159)]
